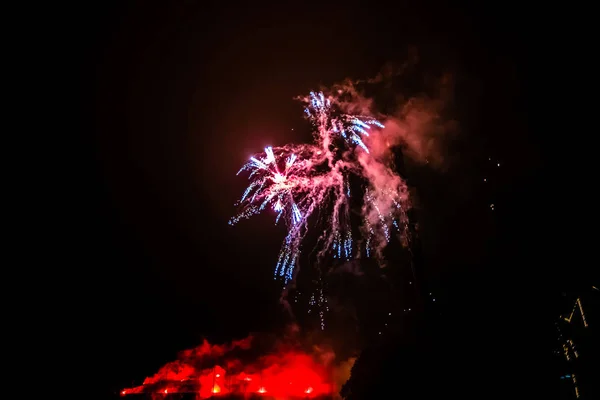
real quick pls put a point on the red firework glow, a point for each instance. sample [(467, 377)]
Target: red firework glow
[(213, 371)]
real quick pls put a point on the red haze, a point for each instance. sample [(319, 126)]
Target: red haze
[(211, 370)]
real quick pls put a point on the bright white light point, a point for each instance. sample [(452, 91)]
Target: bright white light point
[(390, 314), (498, 164)]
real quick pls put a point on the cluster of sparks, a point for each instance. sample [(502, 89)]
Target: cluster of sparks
[(296, 180), (319, 301)]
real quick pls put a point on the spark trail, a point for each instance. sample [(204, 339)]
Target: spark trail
[(295, 180)]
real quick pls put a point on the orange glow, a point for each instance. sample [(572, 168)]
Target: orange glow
[(582, 314), (286, 372)]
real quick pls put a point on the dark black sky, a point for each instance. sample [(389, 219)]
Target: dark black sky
[(179, 95)]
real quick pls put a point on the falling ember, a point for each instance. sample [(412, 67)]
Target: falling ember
[(208, 371), (296, 180)]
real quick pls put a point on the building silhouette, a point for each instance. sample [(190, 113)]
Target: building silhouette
[(576, 350)]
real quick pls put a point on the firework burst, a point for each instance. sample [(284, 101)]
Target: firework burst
[(296, 180)]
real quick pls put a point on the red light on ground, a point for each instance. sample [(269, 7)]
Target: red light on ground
[(286, 374)]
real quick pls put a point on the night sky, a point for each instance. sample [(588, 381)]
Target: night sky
[(180, 95)]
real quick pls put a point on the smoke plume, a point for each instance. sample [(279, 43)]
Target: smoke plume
[(416, 125), (283, 367)]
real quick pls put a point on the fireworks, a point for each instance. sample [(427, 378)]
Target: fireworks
[(296, 180)]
